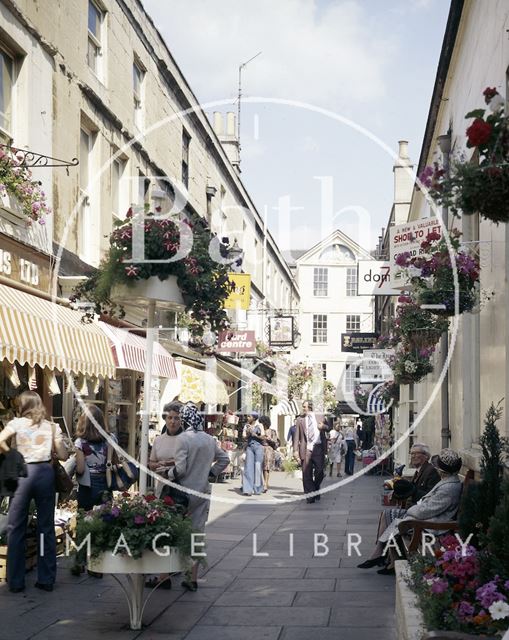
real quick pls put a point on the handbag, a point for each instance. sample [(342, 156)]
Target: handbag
[(120, 475), (63, 483)]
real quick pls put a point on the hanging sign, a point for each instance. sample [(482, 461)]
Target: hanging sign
[(240, 291), (375, 367), (374, 278), (237, 342), (407, 237), (357, 342), (281, 331)]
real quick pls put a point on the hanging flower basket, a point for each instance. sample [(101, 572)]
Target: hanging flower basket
[(422, 338), (419, 328), (445, 298), (481, 188), (195, 279), (411, 367)]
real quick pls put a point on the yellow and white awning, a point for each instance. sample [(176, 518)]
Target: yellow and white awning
[(37, 331), (199, 386)]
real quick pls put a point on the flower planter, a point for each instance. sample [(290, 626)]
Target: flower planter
[(446, 298), (165, 292), (409, 622), (150, 562)]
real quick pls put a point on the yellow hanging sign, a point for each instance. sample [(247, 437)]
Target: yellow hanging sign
[(240, 294)]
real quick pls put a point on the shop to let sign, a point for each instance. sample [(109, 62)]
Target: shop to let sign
[(240, 291), (407, 237), (237, 342)]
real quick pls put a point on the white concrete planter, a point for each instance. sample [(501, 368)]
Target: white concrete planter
[(409, 622), (165, 292), (150, 562)]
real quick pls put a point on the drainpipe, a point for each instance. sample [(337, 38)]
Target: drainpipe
[(444, 143)]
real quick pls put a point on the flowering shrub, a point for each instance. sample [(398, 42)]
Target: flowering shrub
[(203, 282), (431, 275), (299, 375), (16, 180), (412, 366), (451, 594), (139, 519), (482, 187)]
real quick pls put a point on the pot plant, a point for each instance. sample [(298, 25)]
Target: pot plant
[(418, 327), (202, 281), (291, 467), (412, 366), (131, 527), (431, 276), (24, 194), (484, 187)]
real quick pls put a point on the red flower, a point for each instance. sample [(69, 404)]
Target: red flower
[(489, 94), (479, 132), (150, 497), (169, 502), (129, 213)]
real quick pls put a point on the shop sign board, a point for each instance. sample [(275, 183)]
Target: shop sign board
[(357, 342), (24, 265), (374, 278), (375, 365), (281, 331), (240, 291), (237, 342), (407, 237)]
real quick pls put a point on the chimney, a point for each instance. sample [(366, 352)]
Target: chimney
[(217, 123), (229, 139), (403, 183)]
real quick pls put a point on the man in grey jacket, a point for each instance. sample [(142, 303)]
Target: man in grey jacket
[(197, 457)]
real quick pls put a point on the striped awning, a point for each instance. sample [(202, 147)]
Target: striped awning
[(130, 352), (287, 408), (199, 386), (37, 331)]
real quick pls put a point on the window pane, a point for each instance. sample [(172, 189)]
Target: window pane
[(115, 186), (353, 324), (92, 53), (84, 153), (319, 328), (94, 20), (137, 79), (320, 281), (351, 281), (5, 90)]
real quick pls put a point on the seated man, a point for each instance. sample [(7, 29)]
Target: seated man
[(439, 504)]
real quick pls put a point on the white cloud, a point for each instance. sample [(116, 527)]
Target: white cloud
[(333, 56)]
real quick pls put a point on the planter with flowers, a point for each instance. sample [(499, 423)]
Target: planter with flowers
[(175, 250), (412, 366), (431, 275), (19, 192), (419, 328), (484, 187)]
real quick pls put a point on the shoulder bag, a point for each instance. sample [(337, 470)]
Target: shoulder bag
[(120, 474), (63, 483)]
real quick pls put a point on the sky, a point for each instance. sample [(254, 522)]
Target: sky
[(337, 84)]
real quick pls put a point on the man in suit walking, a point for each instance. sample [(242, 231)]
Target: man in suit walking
[(310, 446)]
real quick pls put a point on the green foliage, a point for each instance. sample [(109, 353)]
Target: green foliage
[(204, 283), (481, 499), (139, 519), (290, 465), (497, 538)]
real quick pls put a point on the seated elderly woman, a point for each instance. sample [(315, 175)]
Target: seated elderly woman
[(440, 504)]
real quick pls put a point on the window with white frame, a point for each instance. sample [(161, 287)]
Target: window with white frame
[(350, 378), (351, 281), (6, 90), (87, 232), (95, 27), (118, 201), (138, 77), (353, 324), (324, 370), (320, 281), (319, 328)]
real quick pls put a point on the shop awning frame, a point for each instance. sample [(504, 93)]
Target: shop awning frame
[(36, 331), (130, 352)]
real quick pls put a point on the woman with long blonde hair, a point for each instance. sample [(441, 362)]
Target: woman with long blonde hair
[(38, 440)]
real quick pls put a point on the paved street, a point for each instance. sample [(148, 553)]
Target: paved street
[(240, 596)]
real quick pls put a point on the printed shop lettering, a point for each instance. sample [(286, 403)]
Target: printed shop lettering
[(28, 271)]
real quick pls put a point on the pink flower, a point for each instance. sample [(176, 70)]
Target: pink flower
[(439, 586)]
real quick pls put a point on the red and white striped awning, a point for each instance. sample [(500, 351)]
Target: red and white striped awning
[(130, 352), (37, 331)]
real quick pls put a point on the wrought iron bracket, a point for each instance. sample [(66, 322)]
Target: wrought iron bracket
[(30, 159)]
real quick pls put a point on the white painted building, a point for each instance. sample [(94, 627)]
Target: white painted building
[(326, 275)]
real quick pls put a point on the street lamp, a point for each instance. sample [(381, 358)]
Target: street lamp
[(236, 255)]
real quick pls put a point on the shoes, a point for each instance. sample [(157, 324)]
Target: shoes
[(265, 491), (338, 475), (43, 587), (16, 589), (310, 500), (372, 562), (386, 572), (77, 570), (317, 498), (152, 583), (247, 494), (190, 585)]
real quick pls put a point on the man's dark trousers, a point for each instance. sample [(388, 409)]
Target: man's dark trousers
[(313, 469)]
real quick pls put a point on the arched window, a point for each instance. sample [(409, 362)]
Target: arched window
[(337, 253)]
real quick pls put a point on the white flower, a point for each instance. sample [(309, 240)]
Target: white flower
[(414, 272), (410, 367), (496, 103), (88, 518), (499, 610)]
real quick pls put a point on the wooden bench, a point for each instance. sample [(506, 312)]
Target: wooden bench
[(418, 526)]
